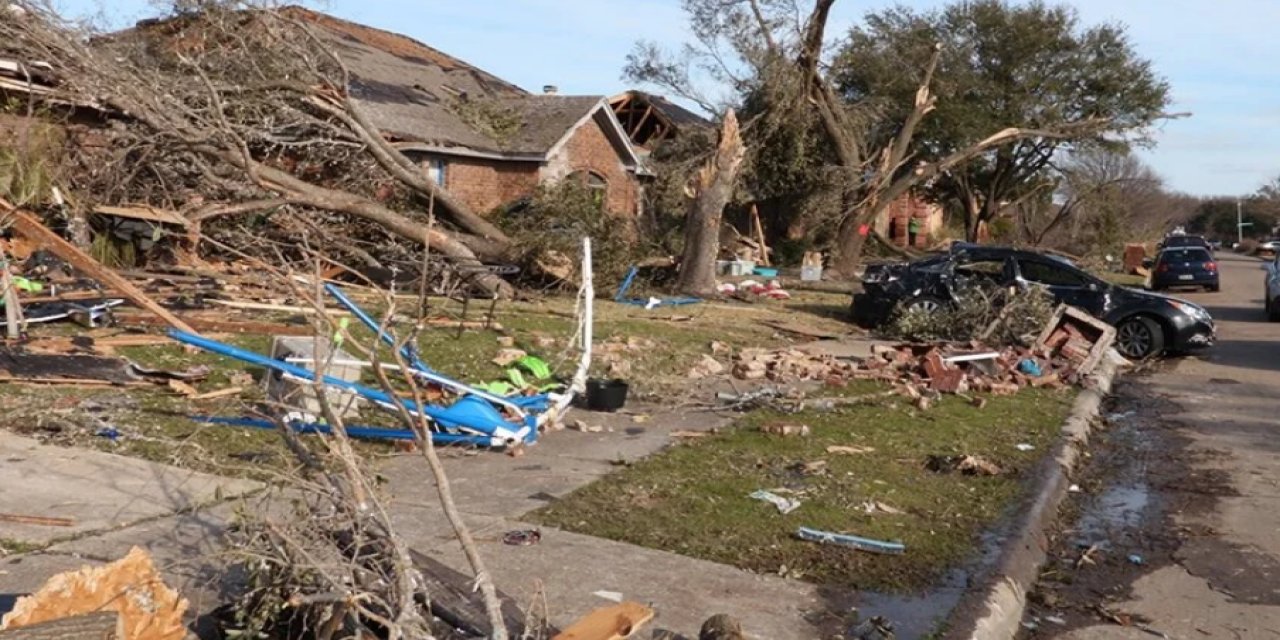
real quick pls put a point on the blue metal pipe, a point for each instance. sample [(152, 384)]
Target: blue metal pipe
[(355, 431), (460, 416)]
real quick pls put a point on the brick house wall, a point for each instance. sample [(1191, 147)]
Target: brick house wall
[(485, 185), (894, 220), (589, 150)]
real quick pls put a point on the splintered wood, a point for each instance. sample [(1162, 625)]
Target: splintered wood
[(614, 622), (130, 586)]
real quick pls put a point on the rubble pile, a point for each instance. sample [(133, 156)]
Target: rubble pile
[(1069, 348)]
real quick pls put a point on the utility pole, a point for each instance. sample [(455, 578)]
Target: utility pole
[(1239, 222)]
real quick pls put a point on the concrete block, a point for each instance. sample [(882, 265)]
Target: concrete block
[(298, 394)]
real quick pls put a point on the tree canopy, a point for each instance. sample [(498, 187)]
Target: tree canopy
[(1030, 65)]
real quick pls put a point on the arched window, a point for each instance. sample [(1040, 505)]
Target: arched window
[(596, 183)]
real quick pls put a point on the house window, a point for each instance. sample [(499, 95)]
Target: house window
[(596, 183), (436, 170)]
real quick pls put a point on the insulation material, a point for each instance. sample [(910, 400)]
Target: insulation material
[(130, 586)]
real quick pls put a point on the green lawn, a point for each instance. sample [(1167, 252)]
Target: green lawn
[(693, 498)]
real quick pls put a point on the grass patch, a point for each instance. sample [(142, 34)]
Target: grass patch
[(692, 498)]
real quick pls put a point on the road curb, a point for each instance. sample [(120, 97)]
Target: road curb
[(994, 611)]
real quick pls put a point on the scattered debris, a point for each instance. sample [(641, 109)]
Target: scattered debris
[(1022, 446), (784, 505), (874, 507), (131, 586), (522, 537), (967, 465), (1135, 559), (1077, 337), (875, 628), (612, 596), (855, 542), (707, 366), (849, 449), (785, 429), (508, 356)]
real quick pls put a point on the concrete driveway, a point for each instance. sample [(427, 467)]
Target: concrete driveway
[(1218, 489)]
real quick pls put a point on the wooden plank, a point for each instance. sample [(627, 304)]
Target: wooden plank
[(224, 326), (609, 623), (100, 625), (454, 600), (27, 225), (44, 521), (149, 214), (220, 393)]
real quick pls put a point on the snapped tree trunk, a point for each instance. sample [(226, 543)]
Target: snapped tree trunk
[(714, 186)]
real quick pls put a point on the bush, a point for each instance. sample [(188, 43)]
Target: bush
[(547, 232), (1248, 246)]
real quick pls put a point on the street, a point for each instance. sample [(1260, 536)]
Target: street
[(1174, 530)]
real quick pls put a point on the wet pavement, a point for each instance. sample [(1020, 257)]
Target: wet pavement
[(1173, 532)]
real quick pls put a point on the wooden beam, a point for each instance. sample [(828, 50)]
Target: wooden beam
[(102, 625), (34, 230)]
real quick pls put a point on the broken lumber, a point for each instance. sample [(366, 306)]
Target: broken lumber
[(614, 622), (224, 326), (102, 625), (130, 586), (45, 521), (34, 230)]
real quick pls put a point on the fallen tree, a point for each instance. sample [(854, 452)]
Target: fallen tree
[(240, 109)]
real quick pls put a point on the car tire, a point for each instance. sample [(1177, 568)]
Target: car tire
[(927, 304), (1139, 338), (1273, 314), (1214, 288)]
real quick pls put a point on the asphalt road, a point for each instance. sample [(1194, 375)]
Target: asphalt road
[(1204, 453)]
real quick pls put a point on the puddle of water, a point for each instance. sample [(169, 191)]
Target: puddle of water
[(1119, 509), (918, 616)]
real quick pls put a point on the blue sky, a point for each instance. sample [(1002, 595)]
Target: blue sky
[(1220, 58)]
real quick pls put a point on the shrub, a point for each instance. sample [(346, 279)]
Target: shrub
[(994, 315)]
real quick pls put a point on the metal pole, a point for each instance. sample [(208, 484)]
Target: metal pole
[(1239, 222)]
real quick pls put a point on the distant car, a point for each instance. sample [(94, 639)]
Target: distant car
[(1185, 267), (1271, 289), (1215, 245), (1147, 324), (1186, 241), (1270, 246)]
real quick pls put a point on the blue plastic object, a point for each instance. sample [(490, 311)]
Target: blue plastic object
[(621, 296), (856, 542), (1030, 367), (467, 417), (426, 372)]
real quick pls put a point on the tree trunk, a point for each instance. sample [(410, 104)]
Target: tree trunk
[(103, 625), (298, 191), (715, 182)]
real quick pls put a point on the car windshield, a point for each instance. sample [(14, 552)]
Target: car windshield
[(1189, 254)]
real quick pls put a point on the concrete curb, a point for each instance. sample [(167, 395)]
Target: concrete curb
[(994, 611)]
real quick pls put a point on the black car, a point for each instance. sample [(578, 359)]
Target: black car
[(1184, 267), (1147, 324)]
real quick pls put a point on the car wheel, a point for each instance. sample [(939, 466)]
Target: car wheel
[(1273, 314), (925, 304), (1139, 338), (1214, 288)]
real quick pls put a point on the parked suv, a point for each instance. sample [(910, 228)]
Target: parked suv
[(1147, 324)]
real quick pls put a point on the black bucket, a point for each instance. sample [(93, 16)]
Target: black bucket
[(606, 395)]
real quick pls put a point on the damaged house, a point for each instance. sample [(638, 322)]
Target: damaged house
[(485, 140)]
